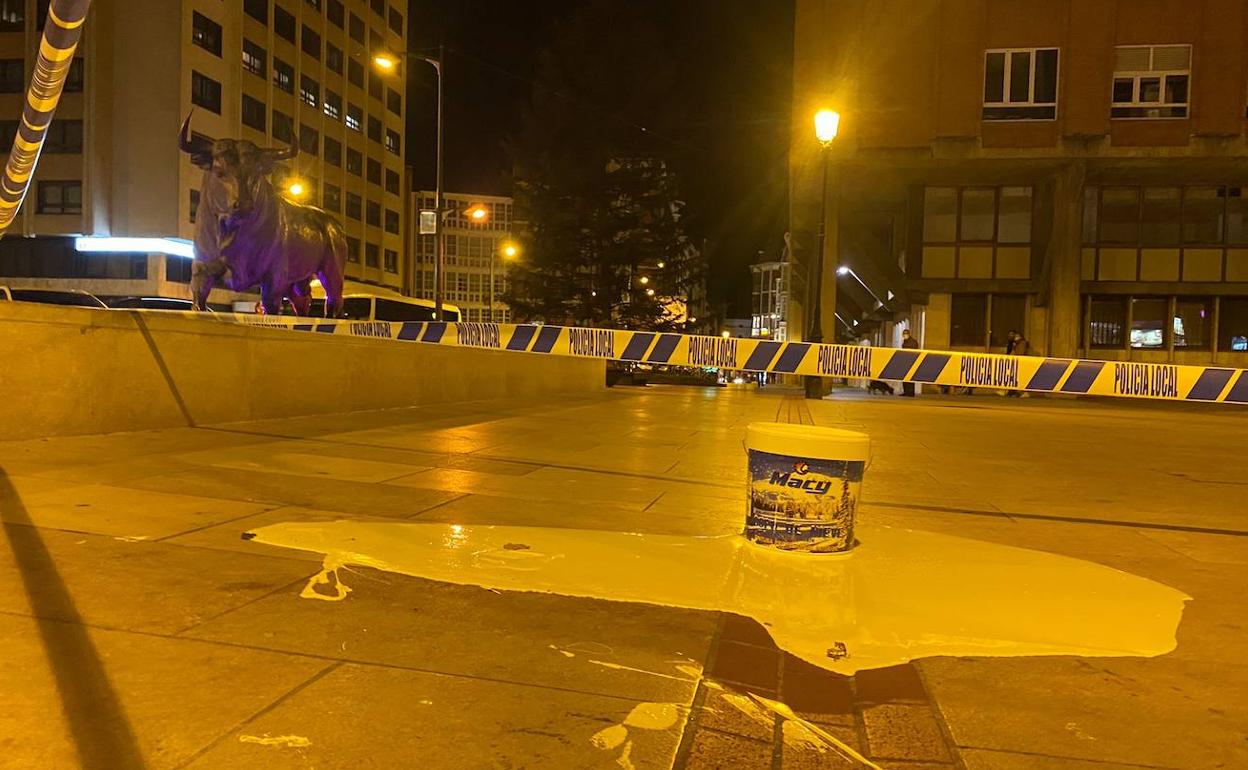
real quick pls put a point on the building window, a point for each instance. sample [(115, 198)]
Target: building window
[(254, 113), (375, 87), (332, 200), (1159, 216), (1151, 81), (283, 23), (392, 141), (968, 319), (372, 213), (336, 13), (1009, 313), (392, 261), (60, 197), (309, 91), (8, 132), (77, 75), (355, 116), (374, 129), (254, 58), (1233, 324), (333, 151), (373, 173), (379, 7), (392, 181), (283, 127), (394, 102), (970, 232), (1148, 322), (310, 42), (333, 105), (12, 15), (392, 221), (333, 58), (12, 76), (309, 139), (206, 33), (396, 22), (205, 92), (370, 254), (940, 215), (1193, 322), (257, 9), (283, 75), (355, 206), (355, 73), (355, 161), (1107, 320), (356, 29), (194, 207), (1020, 84), (64, 137)]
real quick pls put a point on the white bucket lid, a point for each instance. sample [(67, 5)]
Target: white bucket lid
[(808, 441)]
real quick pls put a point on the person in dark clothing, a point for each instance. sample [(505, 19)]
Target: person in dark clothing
[(908, 343), (1018, 346), (1009, 341)]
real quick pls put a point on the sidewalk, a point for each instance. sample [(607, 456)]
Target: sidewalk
[(141, 630)]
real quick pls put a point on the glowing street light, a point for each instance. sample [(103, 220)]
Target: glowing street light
[(511, 251), (662, 265), (385, 62), (296, 189), (477, 212), (507, 251), (847, 270), (725, 334), (827, 122), (649, 292), (643, 280)]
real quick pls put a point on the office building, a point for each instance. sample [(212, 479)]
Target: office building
[(1073, 169), (273, 72), (474, 257)]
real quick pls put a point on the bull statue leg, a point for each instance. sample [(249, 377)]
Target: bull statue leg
[(301, 298), (204, 275), (330, 274)]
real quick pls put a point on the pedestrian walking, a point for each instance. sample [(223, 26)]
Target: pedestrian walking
[(908, 342)]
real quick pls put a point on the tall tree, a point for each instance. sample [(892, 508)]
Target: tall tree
[(597, 203)]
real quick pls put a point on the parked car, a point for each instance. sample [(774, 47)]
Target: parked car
[(71, 297), (151, 303)]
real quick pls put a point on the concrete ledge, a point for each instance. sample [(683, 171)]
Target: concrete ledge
[(66, 371)]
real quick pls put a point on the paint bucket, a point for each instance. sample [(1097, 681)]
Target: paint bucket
[(804, 483)]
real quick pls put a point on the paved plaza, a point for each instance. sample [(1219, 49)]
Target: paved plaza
[(140, 629)]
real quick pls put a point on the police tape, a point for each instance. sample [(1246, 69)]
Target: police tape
[(975, 370)]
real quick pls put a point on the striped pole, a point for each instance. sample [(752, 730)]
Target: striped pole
[(56, 53)]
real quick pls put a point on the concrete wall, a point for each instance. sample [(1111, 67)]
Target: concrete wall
[(71, 371)]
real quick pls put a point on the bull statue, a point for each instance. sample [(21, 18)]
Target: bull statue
[(248, 234)]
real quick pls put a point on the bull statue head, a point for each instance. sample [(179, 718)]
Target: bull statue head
[(239, 165)]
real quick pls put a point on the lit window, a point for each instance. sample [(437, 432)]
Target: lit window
[(355, 117), (392, 141), (1148, 323), (253, 58), (206, 33), (1020, 84), (333, 104), (309, 91), (283, 75), (1151, 81)]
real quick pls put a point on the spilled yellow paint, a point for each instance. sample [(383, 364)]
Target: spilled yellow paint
[(900, 595), (644, 716)]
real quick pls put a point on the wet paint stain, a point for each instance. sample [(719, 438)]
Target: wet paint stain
[(285, 741), (901, 595)]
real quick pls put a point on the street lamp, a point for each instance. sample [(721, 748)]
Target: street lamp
[(507, 252), (296, 189), (827, 123), (847, 270), (387, 63)]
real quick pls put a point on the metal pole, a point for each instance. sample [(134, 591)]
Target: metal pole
[(814, 383), (437, 200), (493, 256)]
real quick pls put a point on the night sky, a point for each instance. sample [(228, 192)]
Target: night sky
[(733, 58)]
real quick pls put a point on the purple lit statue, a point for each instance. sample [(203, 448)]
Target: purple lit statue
[(247, 234)]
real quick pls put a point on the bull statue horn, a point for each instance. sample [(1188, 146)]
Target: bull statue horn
[(185, 142), (287, 153)]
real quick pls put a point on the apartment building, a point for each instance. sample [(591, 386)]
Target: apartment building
[(1073, 169), (475, 256), (273, 72)]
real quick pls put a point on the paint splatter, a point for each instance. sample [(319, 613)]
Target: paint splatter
[(285, 741), (899, 596), (328, 576), (644, 716)]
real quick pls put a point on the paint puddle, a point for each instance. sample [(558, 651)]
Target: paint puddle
[(285, 741), (900, 595), (644, 716)]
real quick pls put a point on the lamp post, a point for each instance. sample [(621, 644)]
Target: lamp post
[(508, 251), (387, 63), (847, 270), (827, 123)]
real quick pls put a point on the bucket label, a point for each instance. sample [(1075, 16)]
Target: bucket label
[(802, 504)]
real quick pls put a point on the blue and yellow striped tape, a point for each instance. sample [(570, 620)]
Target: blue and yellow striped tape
[(986, 370)]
